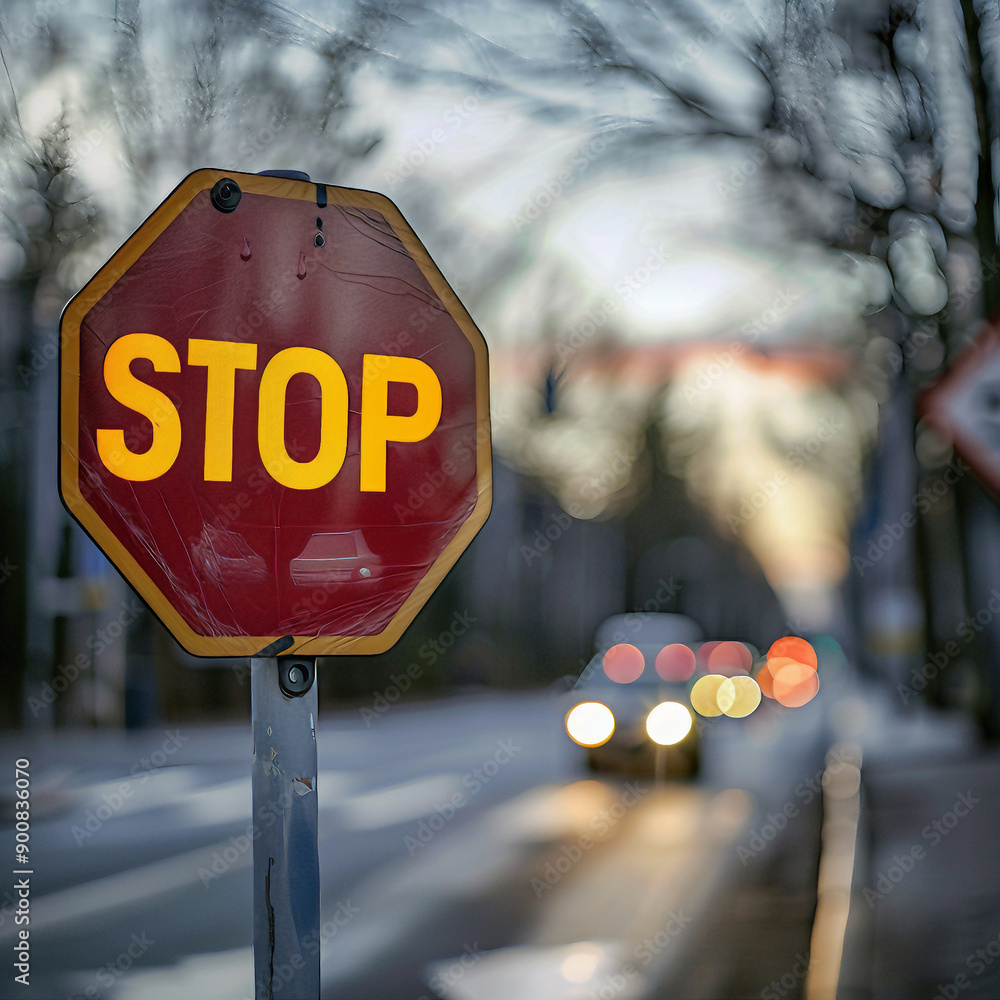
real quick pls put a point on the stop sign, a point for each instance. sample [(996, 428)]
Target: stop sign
[(275, 416)]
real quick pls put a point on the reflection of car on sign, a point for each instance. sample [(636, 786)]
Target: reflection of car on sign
[(335, 557), (626, 712), (220, 553)]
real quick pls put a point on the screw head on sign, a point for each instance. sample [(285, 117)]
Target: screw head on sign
[(295, 677)]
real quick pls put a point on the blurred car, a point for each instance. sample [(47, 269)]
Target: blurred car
[(630, 708)]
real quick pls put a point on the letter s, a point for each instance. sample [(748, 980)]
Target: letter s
[(154, 405)]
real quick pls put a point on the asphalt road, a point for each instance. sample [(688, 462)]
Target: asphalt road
[(464, 852)]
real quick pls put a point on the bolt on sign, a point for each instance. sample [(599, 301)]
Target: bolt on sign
[(275, 416)]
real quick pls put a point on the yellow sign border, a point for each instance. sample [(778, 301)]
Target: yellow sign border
[(69, 417)]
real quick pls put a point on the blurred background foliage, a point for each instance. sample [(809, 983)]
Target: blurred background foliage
[(716, 248)]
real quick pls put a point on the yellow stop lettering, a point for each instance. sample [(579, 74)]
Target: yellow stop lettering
[(319, 470), (154, 405), (222, 358), (378, 428)]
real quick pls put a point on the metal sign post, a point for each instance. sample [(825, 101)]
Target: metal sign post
[(285, 849)]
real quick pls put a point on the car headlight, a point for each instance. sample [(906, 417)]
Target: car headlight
[(668, 723), (590, 724)]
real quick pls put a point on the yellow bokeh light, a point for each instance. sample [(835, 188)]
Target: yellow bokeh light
[(738, 697), (590, 724), (668, 723), (705, 695)]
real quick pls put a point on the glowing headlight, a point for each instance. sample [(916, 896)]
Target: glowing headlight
[(590, 724), (668, 723)]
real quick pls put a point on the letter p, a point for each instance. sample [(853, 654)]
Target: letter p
[(378, 427)]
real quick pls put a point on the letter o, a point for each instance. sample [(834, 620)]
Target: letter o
[(329, 458)]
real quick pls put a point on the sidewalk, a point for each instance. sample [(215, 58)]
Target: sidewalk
[(925, 903)]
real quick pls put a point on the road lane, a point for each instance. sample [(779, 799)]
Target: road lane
[(462, 848)]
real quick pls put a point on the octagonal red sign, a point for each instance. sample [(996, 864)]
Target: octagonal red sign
[(275, 416)]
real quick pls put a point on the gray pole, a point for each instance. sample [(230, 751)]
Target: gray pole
[(285, 851)]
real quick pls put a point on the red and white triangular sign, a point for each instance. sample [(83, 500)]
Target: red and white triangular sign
[(965, 406)]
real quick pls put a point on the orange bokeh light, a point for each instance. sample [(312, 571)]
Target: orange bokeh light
[(675, 662), (795, 684), (623, 663), (796, 648), (765, 682)]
